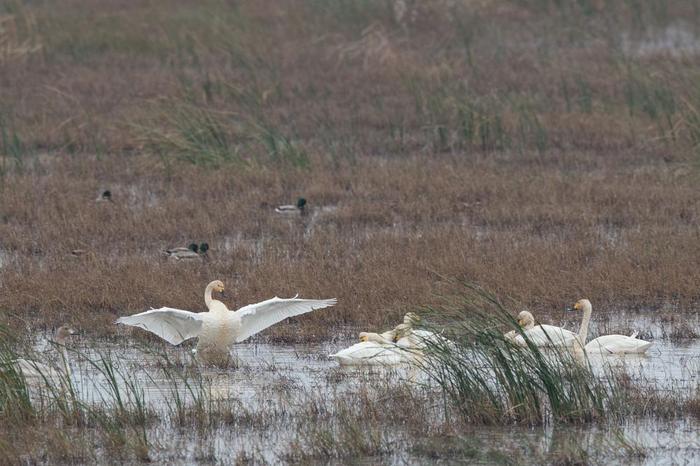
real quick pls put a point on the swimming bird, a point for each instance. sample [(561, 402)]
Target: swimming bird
[(36, 372), (541, 335), (298, 209), (397, 346), (191, 252), (407, 336), (525, 320), (106, 196), (607, 344), (219, 328), (384, 338)]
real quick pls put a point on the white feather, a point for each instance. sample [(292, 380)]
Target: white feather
[(257, 317), (172, 325)]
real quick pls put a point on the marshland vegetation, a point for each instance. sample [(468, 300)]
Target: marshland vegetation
[(545, 150)]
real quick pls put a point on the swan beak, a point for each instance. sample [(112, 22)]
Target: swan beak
[(363, 338), (520, 322)]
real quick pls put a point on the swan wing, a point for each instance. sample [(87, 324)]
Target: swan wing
[(257, 317), (35, 369), (547, 335), (172, 325)]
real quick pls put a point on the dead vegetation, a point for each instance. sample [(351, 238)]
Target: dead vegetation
[(542, 149)]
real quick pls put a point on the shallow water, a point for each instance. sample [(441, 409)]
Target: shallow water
[(285, 378)]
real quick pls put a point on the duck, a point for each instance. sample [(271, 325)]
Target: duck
[(35, 372), (606, 344), (191, 252), (540, 335), (297, 209), (106, 196), (219, 328)]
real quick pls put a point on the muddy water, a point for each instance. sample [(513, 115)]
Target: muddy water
[(286, 377)]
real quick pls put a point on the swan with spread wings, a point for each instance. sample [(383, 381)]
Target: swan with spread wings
[(219, 328)]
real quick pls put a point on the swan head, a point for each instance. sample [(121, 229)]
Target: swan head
[(368, 336), (402, 330), (525, 319), (301, 203), (64, 332), (217, 285), (581, 305), (411, 318)]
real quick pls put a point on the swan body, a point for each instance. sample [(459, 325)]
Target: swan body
[(219, 328), (397, 346), (540, 335), (35, 372), (371, 353), (610, 344), (546, 335), (617, 344)]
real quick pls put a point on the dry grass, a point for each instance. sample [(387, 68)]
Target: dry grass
[(526, 146)]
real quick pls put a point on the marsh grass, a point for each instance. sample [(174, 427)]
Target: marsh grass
[(378, 417), (492, 381)]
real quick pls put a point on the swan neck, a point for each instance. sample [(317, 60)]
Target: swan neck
[(207, 296), (66, 366), (583, 330)]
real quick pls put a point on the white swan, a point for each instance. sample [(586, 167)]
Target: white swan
[(525, 320), (219, 328), (385, 338), (607, 344), (35, 372), (392, 347), (371, 353), (541, 335)]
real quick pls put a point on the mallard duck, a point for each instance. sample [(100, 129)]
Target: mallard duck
[(106, 196), (298, 209), (191, 252)]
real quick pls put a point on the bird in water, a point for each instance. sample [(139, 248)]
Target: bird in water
[(219, 328)]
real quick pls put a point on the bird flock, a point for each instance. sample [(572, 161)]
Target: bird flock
[(219, 328)]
